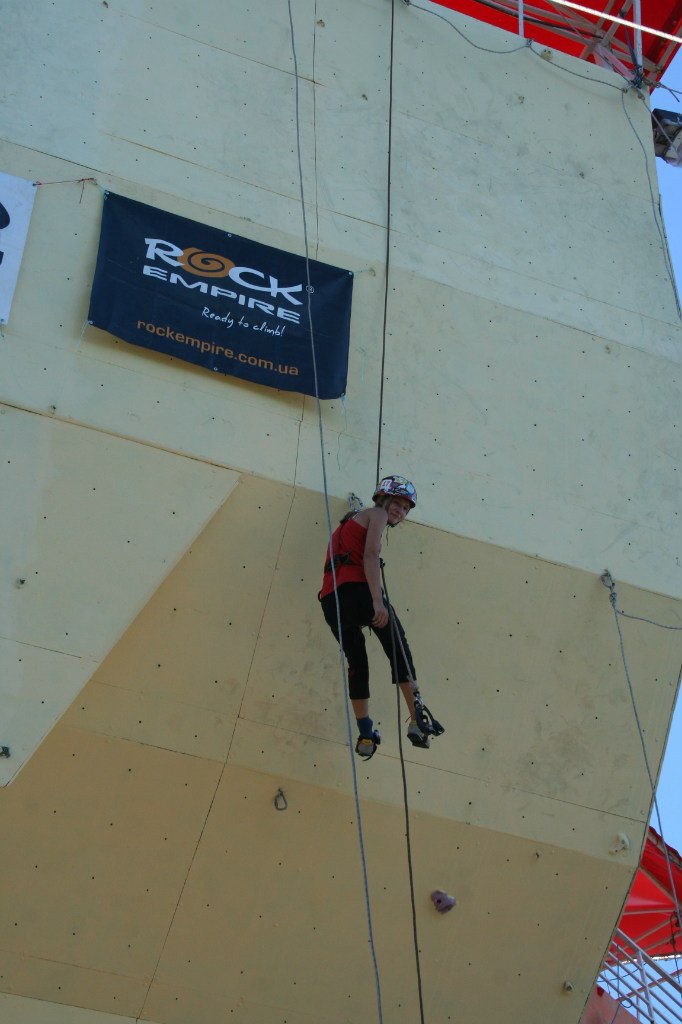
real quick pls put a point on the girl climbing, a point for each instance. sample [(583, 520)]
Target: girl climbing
[(356, 547)]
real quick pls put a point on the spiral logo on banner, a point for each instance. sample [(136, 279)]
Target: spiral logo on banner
[(163, 282), (205, 264)]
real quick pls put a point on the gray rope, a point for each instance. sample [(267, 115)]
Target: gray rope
[(329, 524), (395, 635), (609, 583), (666, 254), (459, 32)]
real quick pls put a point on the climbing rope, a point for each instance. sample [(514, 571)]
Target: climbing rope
[(394, 632), (388, 237), (395, 635), (329, 522), (609, 582)]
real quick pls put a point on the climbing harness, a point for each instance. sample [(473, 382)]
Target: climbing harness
[(341, 557), (337, 560)]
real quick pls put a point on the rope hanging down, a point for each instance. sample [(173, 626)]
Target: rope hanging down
[(609, 582), (394, 631), (328, 514), (395, 634), (388, 236)]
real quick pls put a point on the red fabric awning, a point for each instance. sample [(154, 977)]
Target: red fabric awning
[(589, 36), (649, 918)]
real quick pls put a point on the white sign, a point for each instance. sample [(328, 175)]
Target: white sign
[(16, 205)]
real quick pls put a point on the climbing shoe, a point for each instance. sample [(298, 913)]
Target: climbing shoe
[(366, 746), (416, 737)]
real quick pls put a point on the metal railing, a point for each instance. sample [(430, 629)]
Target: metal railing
[(640, 984)]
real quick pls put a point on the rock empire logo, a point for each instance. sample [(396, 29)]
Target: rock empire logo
[(211, 266)]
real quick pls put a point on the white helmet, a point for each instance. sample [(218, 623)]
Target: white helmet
[(396, 487)]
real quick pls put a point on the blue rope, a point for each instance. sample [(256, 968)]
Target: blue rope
[(329, 527)]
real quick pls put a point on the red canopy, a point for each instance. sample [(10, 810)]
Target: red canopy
[(590, 36), (650, 917)]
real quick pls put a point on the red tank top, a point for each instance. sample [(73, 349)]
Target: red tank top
[(348, 539)]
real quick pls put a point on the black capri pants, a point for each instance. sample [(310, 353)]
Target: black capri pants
[(357, 611)]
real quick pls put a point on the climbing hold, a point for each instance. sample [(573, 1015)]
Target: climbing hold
[(442, 902), (622, 844), (4, 752), (280, 801)]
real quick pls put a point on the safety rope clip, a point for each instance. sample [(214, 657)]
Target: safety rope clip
[(280, 801), (608, 581)]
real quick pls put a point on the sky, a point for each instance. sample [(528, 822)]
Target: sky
[(669, 793)]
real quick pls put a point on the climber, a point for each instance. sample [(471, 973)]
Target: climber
[(356, 545)]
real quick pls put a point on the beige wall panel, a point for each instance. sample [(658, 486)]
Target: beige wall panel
[(96, 522), (433, 60), (496, 637), (18, 1010), (160, 721), (119, 110), (50, 982), (235, 630), (134, 517), (104, 834), (176, 679), (487, 804), (525, 433), (264, 906), (521, 218), (257, 33), (161, 896)]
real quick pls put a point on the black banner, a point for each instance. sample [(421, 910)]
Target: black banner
[(210, 297)]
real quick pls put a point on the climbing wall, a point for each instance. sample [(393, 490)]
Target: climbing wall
[(160, 876), (180, 829)]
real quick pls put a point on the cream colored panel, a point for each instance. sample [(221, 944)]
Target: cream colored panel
[(504, 100), (91, 874), (17, 1010), (257, 101), (485, 803), (527, 434), (95, 523), (253, 33), (176, 679), (136, 117), (209, 900), (496, 637), (279, 890), (36, 685)]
